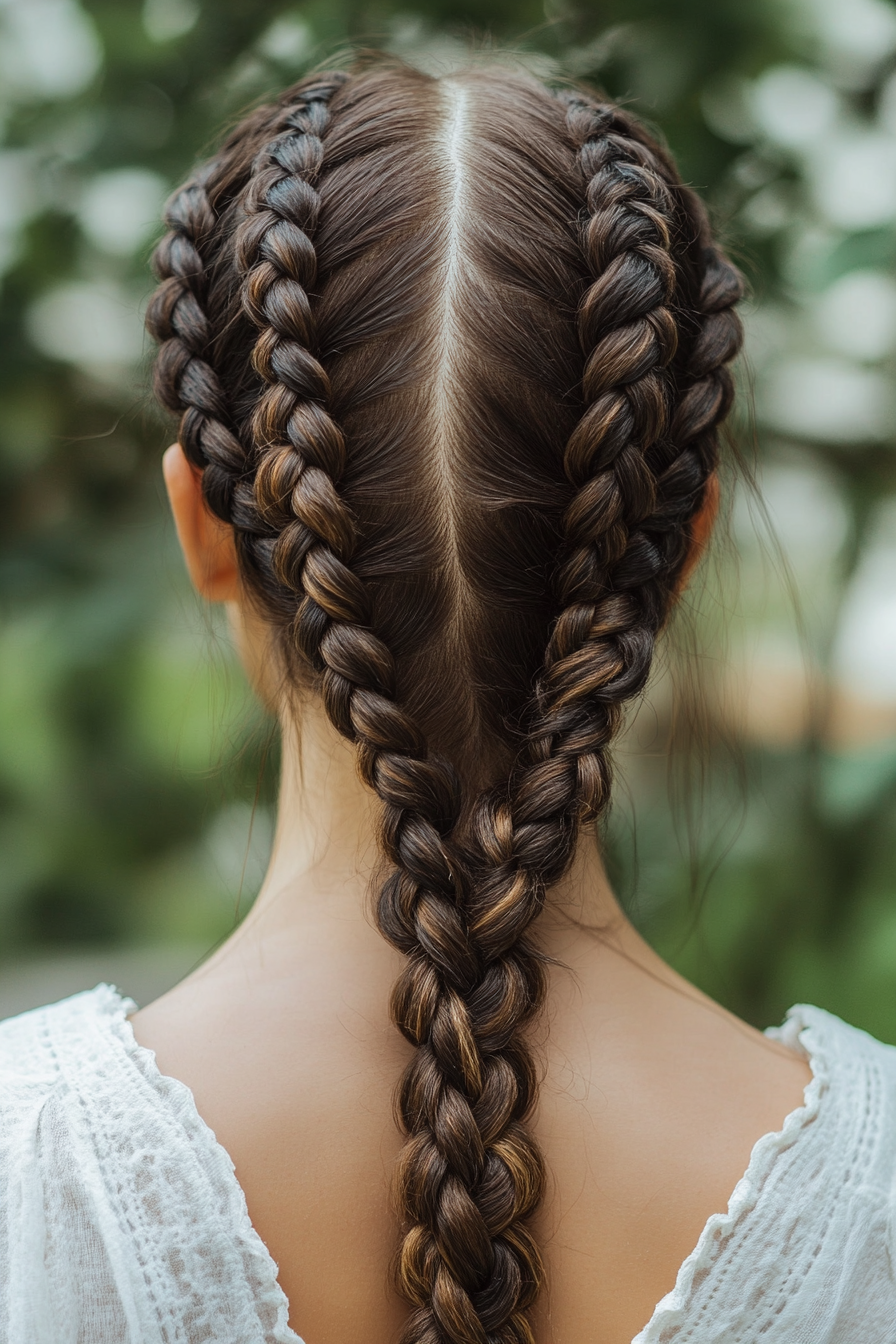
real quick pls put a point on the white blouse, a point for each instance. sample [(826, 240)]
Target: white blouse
[(122, 1221)]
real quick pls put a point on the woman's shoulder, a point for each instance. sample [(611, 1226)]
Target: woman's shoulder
[(123, 1219)]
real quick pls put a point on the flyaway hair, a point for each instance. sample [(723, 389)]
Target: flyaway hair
[(451, 355)]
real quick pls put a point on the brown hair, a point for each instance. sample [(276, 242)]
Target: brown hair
[(451, 354)]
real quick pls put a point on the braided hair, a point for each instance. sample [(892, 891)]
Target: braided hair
[(451, 357)]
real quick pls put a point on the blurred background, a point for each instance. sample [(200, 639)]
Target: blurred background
[(757, 851)]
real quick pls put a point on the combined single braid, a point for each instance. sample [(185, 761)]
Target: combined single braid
[(407, 559)]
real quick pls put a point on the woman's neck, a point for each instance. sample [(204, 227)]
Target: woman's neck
[(325, 857)]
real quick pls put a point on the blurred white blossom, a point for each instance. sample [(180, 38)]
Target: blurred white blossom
[(287, 40), (856, 315), (48, 48), (865, 647), (807, 512), (413, 39), (768, 210), (18, 199), (856, 36), (886, 106), (165, 20), (120, 209), (727, 107), (792, 106), (808, 252), (829, 400), (93, 325), (853, 177)]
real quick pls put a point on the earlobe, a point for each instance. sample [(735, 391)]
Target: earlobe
[(206, 542)]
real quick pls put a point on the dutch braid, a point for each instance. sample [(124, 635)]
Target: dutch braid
[(184, 377), (639, 460)]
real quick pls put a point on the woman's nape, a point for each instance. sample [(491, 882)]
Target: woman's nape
[(450, 357)]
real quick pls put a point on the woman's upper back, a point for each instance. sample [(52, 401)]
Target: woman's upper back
[(125, 1221)]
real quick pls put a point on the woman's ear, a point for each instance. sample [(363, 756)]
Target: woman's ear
[(207, 542), (702, 524)]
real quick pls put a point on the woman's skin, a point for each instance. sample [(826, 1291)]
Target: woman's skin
[(652, 1095)]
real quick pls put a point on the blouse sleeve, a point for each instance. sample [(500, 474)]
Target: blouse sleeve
[(121, 1218), (66, 1276)]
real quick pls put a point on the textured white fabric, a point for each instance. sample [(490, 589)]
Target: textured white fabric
[(122, 1221)]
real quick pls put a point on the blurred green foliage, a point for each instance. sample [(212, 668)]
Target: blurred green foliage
[(136, 774)]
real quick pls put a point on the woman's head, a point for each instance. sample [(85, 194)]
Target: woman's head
[(450, 356)]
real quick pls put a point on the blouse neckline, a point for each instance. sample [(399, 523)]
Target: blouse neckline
[(799, 1033)]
